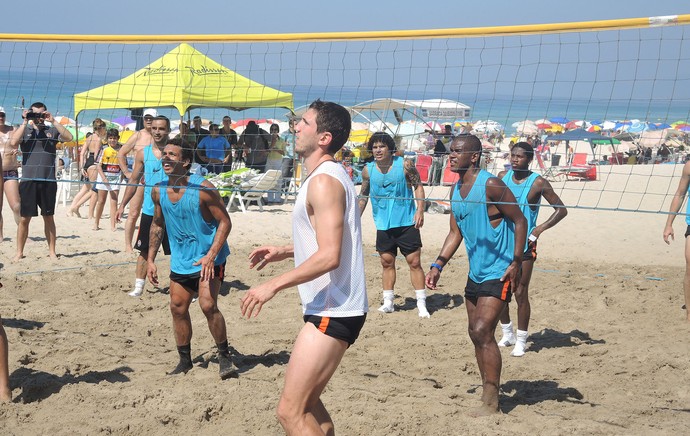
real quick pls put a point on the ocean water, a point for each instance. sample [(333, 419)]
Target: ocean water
[(56, 90)]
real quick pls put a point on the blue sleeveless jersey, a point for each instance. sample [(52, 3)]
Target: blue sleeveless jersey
[(153, 174), (521, 192), (190, 236), (489, 250), (392, 199)]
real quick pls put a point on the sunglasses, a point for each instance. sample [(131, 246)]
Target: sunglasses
[(2, 114)]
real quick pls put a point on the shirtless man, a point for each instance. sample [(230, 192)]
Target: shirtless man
[(10, 174), (134, 144), (676, 203)]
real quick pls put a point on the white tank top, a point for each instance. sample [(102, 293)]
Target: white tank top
[(341, 292)]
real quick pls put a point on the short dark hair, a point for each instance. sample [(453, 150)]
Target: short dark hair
[(334, 119), (473, 143), (529, 150), (187, 150), (164, 118), (38, 105), (383, 138), (213, 127), (114, 133)]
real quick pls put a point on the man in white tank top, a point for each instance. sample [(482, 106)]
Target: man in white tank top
[(329, 270)]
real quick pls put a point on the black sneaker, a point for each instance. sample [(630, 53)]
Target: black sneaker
[(227, 368), (182, 367)]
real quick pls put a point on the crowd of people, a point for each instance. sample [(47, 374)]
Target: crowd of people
[(495, 216)]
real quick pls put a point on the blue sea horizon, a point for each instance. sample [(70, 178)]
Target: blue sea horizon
[(57, 91)]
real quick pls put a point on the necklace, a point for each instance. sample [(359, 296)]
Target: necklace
[(318, 165)]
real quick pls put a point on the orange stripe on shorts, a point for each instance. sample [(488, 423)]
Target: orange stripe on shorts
[(504, 291), (323, 325)]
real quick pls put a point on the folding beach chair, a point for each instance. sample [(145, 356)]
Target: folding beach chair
[(552, 173), (580, 169), (423, 165), (255, 190), (68, 183)]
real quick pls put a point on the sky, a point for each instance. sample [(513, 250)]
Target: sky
[(617, 68), (271, 16)]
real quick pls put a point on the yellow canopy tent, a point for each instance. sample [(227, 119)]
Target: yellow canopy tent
[(183, 78)]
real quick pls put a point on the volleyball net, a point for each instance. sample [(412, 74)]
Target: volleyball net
[(627, 81)]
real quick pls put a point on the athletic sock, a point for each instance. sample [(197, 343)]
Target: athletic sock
[(508, 335), (185, 364), (520, 344), (421, 303), (223, 348), (138, 288), (388, 297)]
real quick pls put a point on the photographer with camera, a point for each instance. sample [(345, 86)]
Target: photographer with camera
[(38, 186)]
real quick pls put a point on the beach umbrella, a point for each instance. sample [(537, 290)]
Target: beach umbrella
[(358, 125), (526, 127), (380, 126), (680, 126), (559, 120), (685, 128), (125, 135), (123, 121), (637, 127), (663, 126), (678, 122), (360, 136), (65, 121), (594, 128), (544, 126), (556, 128), (607, 125), (542, 121), (433, 125), (407, 128), (486, 126)]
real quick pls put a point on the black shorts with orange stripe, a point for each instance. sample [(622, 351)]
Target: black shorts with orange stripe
[(191, 281), (531, 252), (346, 328), (490, 288)]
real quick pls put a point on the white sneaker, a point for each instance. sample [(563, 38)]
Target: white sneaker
[(387, 307), (423, 313), (519, 349), (507, 340), (136, 293)]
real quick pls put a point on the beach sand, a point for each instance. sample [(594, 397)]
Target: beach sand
[(608, 345)]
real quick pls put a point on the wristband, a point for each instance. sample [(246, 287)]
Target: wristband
[(437, 266), (532, 238)]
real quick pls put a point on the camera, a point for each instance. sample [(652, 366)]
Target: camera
[(35, 116)]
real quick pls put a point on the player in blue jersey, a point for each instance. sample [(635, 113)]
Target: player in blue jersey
[(528, 188), (397, 203), (191, 212), (494, 229)]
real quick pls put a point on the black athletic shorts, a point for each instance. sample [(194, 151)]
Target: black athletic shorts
[(489, 288), (191, 281), (346, 328), (34, 194), (687, 232), (531, 252), (407, 239), (142, 243)]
